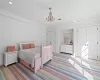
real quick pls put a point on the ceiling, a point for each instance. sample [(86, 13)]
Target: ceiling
[(67, 10)]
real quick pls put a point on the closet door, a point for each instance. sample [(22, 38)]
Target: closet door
[(92, 39), (81, 41)]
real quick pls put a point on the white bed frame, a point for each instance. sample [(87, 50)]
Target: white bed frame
[(45, 56)]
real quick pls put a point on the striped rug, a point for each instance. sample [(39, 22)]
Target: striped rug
[(62, 67)]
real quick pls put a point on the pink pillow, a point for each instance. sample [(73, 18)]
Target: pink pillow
[(26, 46), (32, 45), (11, 48)]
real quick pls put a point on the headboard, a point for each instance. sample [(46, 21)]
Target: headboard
[(37, 45)]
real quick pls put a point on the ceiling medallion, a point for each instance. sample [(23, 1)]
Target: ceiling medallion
[(50, 17)]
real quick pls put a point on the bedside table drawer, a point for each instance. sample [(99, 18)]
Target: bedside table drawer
[(12, 55), (12, 58)]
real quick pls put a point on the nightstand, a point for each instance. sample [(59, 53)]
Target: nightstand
[(10, 57)]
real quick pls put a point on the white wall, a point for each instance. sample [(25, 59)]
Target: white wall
[(64, 26), (52, 29), (14, 30)]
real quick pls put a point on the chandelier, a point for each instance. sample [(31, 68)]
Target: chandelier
[(50, 17), (10, 1)]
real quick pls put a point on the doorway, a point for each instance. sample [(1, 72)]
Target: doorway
[(51, 39)]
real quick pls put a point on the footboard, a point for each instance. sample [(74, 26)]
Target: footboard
[(46, 54), (23, 62), (36, 65)]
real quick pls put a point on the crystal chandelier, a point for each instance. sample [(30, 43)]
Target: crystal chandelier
[(50, 17)]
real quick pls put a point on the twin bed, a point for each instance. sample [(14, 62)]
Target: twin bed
[(34, 57)]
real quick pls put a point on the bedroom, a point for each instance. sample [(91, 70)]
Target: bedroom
[(74, 29)]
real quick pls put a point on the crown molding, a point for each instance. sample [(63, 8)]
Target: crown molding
[(13, 16), (94, 18)]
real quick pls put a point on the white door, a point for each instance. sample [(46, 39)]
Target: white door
[(51, 38), (92, 40), (81, 42)]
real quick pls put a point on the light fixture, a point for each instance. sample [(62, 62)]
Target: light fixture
[(50, 17), (9, 2)]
